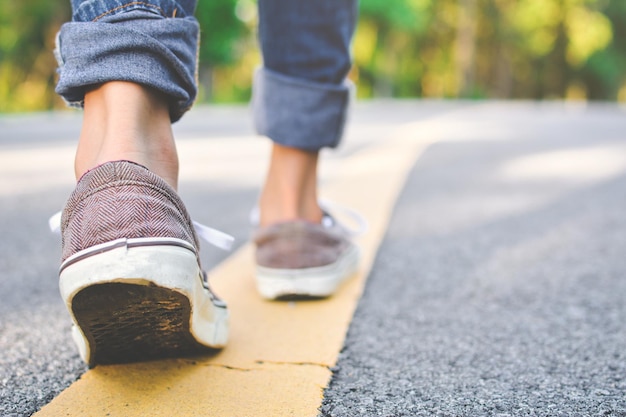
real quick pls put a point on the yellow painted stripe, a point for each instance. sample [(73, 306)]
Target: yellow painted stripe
[(279, 354)]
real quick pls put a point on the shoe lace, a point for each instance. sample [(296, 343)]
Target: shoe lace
[(213, 236), (329, 220), (210, 235)]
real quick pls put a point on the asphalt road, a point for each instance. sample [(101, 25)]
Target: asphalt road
[(499, 290)]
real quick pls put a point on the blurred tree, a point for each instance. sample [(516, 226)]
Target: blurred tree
[(605, 71), (466, 46), (27, 65), (487, 48), (386, 43), (529, 49), (222, 39)]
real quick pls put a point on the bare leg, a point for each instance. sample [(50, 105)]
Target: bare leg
[(127, 121), (290, 190)]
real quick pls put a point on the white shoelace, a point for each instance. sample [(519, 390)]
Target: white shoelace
[(212, 236), (328, 220)]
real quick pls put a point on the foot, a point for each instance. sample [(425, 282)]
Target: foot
[(290, 190), (300, 251), (303, 259), (130, 274)]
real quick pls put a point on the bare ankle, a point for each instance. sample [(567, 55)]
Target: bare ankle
[(126, 121), (290, 190)]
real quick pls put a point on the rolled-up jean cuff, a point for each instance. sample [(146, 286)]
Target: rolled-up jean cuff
[(299, 113), (92, 53)]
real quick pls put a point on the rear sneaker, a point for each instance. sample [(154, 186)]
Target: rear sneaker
[(130, 274), (303, 259)]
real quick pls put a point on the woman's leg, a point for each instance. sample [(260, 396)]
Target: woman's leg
[(300, 97), (127, 121), (129, 249), (300, 100), (131, 65)]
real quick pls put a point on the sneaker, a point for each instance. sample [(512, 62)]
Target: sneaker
[(130, 274), (304, 259)]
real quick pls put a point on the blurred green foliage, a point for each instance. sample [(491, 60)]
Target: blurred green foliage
[(527, 49), (532, 49), (27, 66)]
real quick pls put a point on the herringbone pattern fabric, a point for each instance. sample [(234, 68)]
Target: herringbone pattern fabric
[(299, 244), (122, 200)]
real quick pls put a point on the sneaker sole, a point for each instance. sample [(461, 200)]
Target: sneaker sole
[(319, 282), (141, 303)]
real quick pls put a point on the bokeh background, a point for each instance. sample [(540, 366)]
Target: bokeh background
[(475, 49)]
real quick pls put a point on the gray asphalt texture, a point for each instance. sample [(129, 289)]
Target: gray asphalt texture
[(499, 290), (492, 298)]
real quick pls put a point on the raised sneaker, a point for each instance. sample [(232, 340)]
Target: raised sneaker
[(130, 274)]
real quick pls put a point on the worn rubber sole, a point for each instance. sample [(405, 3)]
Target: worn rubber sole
[(134, 304), (319, 282)]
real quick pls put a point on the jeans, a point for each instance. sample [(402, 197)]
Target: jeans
[(300, 94)]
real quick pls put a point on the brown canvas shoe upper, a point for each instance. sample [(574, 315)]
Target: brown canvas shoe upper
[(122, 199), (299, 245)]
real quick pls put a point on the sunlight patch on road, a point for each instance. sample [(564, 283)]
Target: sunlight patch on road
[(24, 171), (578, 165), (228, 162)]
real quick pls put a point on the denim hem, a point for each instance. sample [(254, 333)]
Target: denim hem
[(95, 10), (92, 53), (299, 113)]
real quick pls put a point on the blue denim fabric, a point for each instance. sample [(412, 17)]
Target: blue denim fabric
[(151, 43), (300, 96)]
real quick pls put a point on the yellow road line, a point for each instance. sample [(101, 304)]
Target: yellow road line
[(279, 354)]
